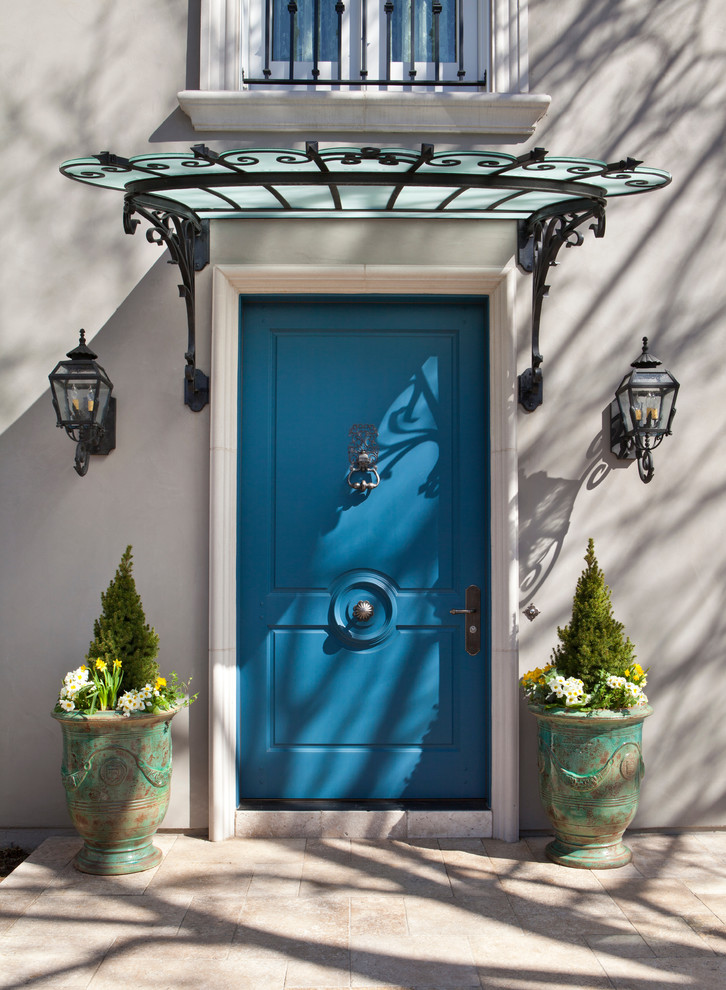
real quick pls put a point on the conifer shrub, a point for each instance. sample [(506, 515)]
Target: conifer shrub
[(594, 664), (122, 633), (594, 639)]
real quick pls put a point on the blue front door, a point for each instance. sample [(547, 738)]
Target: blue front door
[(338, 703)]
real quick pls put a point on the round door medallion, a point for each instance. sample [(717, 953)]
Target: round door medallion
[(363, 609)]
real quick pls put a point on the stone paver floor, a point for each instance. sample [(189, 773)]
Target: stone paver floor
[(288, 914)]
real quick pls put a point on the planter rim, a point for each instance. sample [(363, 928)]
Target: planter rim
[(636, 714), (77, 718)]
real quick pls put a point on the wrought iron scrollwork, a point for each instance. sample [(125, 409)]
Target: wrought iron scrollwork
[(187, 238), (540, 239)]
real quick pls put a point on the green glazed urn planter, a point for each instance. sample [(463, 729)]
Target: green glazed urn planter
[(116, 772), (590, 768)]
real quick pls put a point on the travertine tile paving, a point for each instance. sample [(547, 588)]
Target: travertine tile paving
[(427, 914)]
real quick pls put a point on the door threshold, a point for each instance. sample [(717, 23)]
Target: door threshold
[(363, 819)]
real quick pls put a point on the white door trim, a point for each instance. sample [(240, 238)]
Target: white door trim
[(229, 281)]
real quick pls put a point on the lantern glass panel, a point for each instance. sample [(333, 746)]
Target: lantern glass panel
[(645, 400), (651, 400), (103, 393), (667, 408), (76, 399), (82, 395), (625, 404)]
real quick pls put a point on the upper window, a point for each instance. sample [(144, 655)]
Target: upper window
[(364, 43), (363, 63)]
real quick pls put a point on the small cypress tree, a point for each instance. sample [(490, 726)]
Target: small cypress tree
[(122, 633), (594, 642)]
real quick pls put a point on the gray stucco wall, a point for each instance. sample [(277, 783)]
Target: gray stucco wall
[(79, 78), (641, 79), (647, 80)]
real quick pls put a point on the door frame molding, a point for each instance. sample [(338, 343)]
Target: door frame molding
[(228, 283)]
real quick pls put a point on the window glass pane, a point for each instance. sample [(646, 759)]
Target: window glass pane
[(423, 28), (307, 13)]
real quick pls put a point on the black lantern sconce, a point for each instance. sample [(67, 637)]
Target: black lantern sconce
[(81, 392), (642, 412)]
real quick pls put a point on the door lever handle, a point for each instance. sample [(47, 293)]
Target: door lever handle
[(472, 634)]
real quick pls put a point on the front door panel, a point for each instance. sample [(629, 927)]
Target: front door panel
[(388, 706)]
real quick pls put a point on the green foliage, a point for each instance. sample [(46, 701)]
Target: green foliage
[(122, 633), (593, 646), (593, 667)]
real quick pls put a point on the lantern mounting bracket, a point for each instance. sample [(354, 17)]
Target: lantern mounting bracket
[(623, 447), (187, 238), (539, 239), (101, 440)]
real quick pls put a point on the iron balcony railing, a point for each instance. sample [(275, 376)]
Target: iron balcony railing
[(310, 34)]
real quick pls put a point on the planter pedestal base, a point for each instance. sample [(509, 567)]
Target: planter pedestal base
[(111, 862), (592, 857)]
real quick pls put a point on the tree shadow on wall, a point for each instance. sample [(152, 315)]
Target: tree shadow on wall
[(545, 509)]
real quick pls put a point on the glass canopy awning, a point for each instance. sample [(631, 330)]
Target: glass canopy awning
[(549, 197), (361, 182)]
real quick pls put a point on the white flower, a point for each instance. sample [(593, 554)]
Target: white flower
[(74, 681), (615, 682), (131, 702), (134, 701), (635, 691)]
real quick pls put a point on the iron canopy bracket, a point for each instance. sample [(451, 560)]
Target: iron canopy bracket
[(539, 239), (187, 238)]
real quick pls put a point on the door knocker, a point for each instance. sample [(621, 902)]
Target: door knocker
[(363, 456)]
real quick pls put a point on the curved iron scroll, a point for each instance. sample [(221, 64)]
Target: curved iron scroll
[(540, 239), (187, 238)]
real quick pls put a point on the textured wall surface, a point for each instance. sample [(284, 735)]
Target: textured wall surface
[(644, 79), (80, 77)]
